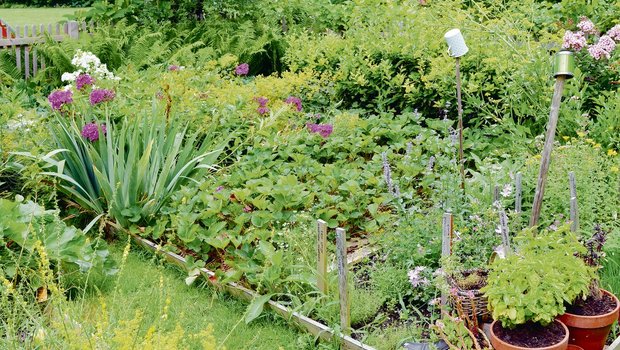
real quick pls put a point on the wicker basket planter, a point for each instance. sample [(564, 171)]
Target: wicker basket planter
[(471, 302)]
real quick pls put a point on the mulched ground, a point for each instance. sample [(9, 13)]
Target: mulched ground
[(592, 306), (531, 335)]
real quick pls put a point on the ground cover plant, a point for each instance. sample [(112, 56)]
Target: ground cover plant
[(224, 132)]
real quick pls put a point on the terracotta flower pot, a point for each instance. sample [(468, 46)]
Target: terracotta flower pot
[(590, 332), (499, 344)]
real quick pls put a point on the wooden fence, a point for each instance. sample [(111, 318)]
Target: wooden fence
[(21, 38)]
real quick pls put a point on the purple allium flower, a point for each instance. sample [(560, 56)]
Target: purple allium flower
[(575, 41), (173, 68), (219, 189), (90, 131), (262, 110), (83, 80), (614, 32), (586, 26), (322, 129), (101, 95), (59, 98), (242, 69), (262, 101), (247, 209), (295, 101)]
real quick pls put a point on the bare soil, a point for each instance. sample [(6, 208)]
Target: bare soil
[(531, 335)]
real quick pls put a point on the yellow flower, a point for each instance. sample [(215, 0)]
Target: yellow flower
[(598, 145), (566, 138), (611, 152), (581, 133), (614, 169)]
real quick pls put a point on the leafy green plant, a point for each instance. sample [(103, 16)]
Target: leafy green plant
[(533, 284), (454, 332), (27, 226)]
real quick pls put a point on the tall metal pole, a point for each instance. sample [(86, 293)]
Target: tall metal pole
[(460, 112), (458, 48)]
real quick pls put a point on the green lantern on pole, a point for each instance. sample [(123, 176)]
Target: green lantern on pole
[(564, 64)]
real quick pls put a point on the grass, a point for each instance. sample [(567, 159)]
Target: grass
[(20, 16), (146, 284)]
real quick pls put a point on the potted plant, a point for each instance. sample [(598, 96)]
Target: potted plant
[(589, 319), (527, 290)]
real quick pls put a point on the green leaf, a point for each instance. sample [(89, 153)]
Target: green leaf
[(255, 308)]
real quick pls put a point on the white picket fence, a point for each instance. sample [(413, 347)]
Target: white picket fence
[(21, 40)]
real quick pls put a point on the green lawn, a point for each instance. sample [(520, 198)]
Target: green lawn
[(146, 284), (20, 16)]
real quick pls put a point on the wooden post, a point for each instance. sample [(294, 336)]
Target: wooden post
[(321, 247), (460, 113), (446, 244), (73, 29), (518, 193), (341, 253), (546, 154), (503, 223), (574, 213), (495, 194)]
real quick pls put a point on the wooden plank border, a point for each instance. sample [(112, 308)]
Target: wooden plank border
[(316, 328)]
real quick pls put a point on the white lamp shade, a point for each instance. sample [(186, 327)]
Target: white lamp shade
[(456, 43)]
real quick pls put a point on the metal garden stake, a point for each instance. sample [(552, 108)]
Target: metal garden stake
[(458, 48), (563, 69)]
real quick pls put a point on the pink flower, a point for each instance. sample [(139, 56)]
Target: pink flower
[(607, 43), (90, 131), (586, 26), (603, 48), (575, 41), (83, 80), (242, 69), (295, 101), (415, 279), (614, 32), (60, 98)]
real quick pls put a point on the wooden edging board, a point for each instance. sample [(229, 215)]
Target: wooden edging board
[(316, 328)]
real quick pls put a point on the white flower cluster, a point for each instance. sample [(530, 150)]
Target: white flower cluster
[(88, 63)]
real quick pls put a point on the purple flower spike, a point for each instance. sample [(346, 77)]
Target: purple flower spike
[(60, 98), (90, 131), (295, 101), (83, 80), (322, 129), (242, 69), (101, 95)]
